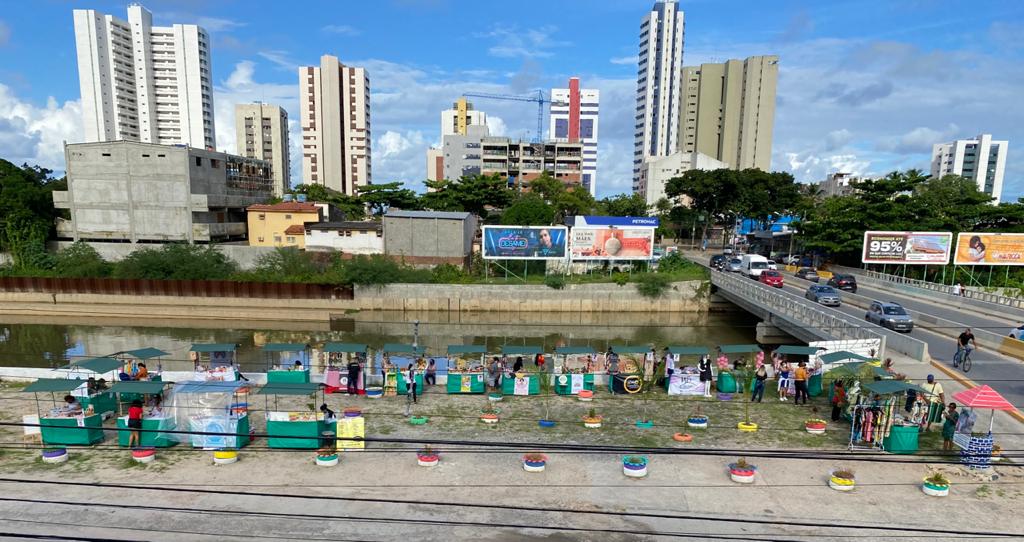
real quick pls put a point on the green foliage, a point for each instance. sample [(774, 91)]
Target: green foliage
[(472, 194), (378, 270), (287, 264), (27, 213), (620, 278), (81, 260), (624, 205), (528, 210), (675, 263), (447, 273), (176, 261), (352, 207), (652, 285), (556, 282), (381, 197)]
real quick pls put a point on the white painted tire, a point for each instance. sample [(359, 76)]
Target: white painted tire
[(327, 462), (56, 459), (145, 458), (225, 460), (840, 487), (635, 473), (587, 399), (740, 479), (528, 468), (489, 421), (931, 492), (815, 431), (423, 463), (592, 425), (494, 399), (698, 425)]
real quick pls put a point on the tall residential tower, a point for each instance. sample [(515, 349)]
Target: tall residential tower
[(145, 83), (261, 132), (460, 117), (334, 102), (981, 160), (574, 113), (658, 85)]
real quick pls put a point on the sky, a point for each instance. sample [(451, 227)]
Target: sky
[(864, 87)]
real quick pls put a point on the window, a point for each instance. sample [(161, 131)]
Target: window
[(106, 154), (348, 234), (199, 160), (215, 164), (259, 239), (262, 216), (277, 238), (380, 234), (291, 239), (287, 217)]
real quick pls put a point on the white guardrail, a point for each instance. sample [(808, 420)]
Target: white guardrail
[(968, 294)]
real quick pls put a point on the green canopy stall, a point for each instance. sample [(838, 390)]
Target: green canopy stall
[(685, 379), (814, 381), (280, 368), (133, 358), (896, 438), (95, 394), (727, 380), (524, 382), (630, 361), (466, 368), (59, 426), (290, 429), (153, 422), (574, 368), (394, 380), (345, 361), (211, 412), (214, 361)]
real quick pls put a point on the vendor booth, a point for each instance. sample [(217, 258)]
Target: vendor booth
[(287, 362), (976, 447), (98, 373), (525, 382), (396, 357), (212, 413), (154, 420), (466, 368), (346, 368), (295, 429), (814, 387), (60, 426), (214, 362), (630, 361), (685, 378), (739, 360), (877, 419), (152, 358), (574, 369)]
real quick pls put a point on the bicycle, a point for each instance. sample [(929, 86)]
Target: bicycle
[(962, 355)]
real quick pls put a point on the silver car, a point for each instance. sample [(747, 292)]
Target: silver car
[(890, 315), (734, 265), (826, 295)]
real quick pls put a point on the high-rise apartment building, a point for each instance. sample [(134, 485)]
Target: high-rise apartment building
[(262, 132), (659, 170), (460, 117), (728, 110), (574, 118), (981, 160), (334, 103), (145, 83), (658, 85), (435, 164)]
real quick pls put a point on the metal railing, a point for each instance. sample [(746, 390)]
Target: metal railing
[(885, 278)]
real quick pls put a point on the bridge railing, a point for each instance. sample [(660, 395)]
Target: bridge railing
[(975, 295)]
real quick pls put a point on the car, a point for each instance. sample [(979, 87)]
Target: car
[(657, 253), (844, 282), (734, 265), (772, 265), (792, 260), (807, 273), (891, 315), (1017, 332), (727, 251), (717, 261), (771, 277), (825, 295)]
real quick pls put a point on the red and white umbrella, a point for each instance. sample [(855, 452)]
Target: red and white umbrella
[(983, 397)]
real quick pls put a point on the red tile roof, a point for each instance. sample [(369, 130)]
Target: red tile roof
[(285, 207), (295, 229)]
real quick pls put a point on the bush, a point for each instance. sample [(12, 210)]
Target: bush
[(555, 281), (447, 273), (620, 278), (378, 270), (176, 261), (652, 285), (674, 263), (287, 264), (81, 260)]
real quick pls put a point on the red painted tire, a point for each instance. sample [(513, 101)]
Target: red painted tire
[(146, 452), (682, 437)]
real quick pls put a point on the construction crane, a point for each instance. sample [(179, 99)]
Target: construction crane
[(539, 99)]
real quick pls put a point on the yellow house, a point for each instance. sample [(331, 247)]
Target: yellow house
[(281, 224)]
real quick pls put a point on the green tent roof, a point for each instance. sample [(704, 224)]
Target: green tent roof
[(289, 388), (521, 350), (399, 348), (854, 369), (136, 386), (285, 347), (634, 349), (566, 350), (689, 350), (144, 353), (739, 348), (96, 365), (888, 387), (467, 349), (213, 347), (842, 355), (352, 348), (798, 350), (53, 385)]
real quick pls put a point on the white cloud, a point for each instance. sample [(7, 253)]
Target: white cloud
[(918, 140), (629, 60), (341, 29), (513, 42), (836, 139), (36, 134), (215, 24), (496, 126), (280, 58), (400, 156)]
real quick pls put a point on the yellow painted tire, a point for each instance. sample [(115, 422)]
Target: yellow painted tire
[(747, 427), (225, 454)]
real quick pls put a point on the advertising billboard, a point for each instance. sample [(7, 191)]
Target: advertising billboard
[(907, 247), (636, 221), (525, 242), (989, 249), (612, 243)]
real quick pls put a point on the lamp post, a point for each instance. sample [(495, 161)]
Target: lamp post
[(415, 334)]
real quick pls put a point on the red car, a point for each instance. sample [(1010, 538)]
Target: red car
[(771, 278)]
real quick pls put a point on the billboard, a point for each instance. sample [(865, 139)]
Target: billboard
[(989, 249), (636, 221), (612, 243), (907, 247), (525, 242)]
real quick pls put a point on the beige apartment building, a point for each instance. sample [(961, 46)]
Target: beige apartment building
[(334, 103), (262, 132), (728, 111)]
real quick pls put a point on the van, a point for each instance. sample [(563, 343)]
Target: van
[(752, 265)]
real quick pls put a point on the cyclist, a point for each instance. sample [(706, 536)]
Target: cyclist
[(965, 343)]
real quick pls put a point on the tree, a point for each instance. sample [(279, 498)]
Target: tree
[(381, 197), (176, 261), (472, 193), (715, 194), (27, 213), (625, 205), (529, 209), (351, 206), (81, 260)]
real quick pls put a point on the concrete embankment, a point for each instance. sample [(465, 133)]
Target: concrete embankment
[(689, 296)]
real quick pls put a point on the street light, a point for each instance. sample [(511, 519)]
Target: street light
[(415, 334)]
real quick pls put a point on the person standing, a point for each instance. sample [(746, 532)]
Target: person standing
[(704, 366), (838, 398), (353, 377), (963, 291), (134, 423), (493, 370), (518, 365), (950, 417), (760, 375), (430, 377), (800, 379), (784, 371), (410, 380), (936, 401), (956, 289)]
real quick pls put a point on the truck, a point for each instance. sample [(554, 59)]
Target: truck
[(753, 264)]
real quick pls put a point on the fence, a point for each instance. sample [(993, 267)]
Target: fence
[(976, 295), (175, 288)]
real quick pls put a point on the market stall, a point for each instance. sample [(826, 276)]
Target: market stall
[(154, 419), (287, 362), (60, 426), (877, 419), (526, 381), (628, 378), (151, 358), (345, 364), (211, 412), (295, 429), (94, 392), (685, 379), (466, 368), (214, 362), (395, 358), (739, 360), (814, 386), (574, 369), (976, 448)]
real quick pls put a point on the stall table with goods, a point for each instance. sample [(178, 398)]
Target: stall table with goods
[(466, 368), (214, 362), (976, 448), (739, 361), (133, 361), (526, 381), (878, 419), (60, 426), (685, 379), (346, 363), (631, 367), (212, 413), (574, 369), (287, 362), (814, 386), (95, 394), (154, 420), (295, 429), (394, 372)]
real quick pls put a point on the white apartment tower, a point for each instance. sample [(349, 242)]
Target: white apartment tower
[(658, 85), (261, 132), (458, 119), (335, 114), (574, 118), (145, 83), (980, 159)]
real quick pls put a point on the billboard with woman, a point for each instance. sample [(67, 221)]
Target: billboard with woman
[(989, 249)]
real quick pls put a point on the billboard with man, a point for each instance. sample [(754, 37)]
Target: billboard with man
[(524, 242), (989, 249), (907, 247)]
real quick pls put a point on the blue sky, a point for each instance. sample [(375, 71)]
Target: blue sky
[(864, 86)]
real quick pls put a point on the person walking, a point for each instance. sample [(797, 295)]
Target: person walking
[(950, 417), (134, 423), (410, 380), (800, 379), (838, 398), (760, 375), (936, 400), (430, 377)]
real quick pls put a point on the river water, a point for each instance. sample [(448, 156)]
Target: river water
[(39, 341)]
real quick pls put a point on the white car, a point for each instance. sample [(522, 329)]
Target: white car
[(1017, 332)]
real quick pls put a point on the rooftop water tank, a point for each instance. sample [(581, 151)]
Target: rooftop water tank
[(286, 198), (301, 198)]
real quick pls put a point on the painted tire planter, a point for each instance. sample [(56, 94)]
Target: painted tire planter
[(418, 420), (747, 427), (224, 457), (682, 437), (546, 423), (427, 460), (494, 397), (374, 393), (352, 412), (934, 490), (586, 396), (489, 419), (841, 484), (815, 427), (327, 460), (144, 455), (742, 475), (634, 466), (644, 425), (592, 423), (697, 422), (55, 455), (534, 462), (724, 396)]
